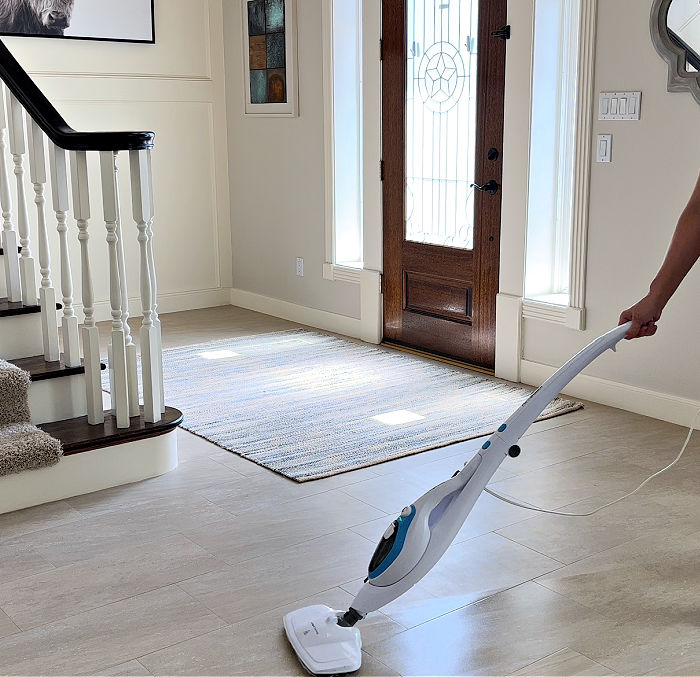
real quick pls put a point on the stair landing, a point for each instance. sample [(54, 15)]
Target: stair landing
[(78, 436)]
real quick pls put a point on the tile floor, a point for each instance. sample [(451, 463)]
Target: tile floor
[(190, 573)]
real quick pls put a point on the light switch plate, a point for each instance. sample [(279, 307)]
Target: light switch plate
[(619, 105), (604, 152)]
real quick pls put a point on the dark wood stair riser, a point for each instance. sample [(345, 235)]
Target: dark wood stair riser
[(41, 370), (78, 436), (9, 309)]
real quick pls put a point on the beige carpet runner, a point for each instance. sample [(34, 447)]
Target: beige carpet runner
[(22, 445)]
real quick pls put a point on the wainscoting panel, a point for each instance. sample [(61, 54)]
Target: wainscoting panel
[(175, 88)]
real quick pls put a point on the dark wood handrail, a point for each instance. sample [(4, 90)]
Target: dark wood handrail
[(42, 111)]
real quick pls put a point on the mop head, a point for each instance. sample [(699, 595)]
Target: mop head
[(323, 646)]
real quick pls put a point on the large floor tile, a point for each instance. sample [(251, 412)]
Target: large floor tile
[(259, 492), (469, 571), (569, 539), (249, 588), (560, 444), (593, 475), (657, 575), (655, 645), (565, 663), (497, 636), (263, 533), (36, 519), (118, 527), (7, 627), (129, 669), (258, 646), (109, 635), (389, 493), (19, 561), (125, 572)]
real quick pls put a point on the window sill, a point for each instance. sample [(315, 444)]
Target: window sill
[(547, 311), (348, 272)]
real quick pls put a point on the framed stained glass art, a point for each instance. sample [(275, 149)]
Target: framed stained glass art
[(270, 57)]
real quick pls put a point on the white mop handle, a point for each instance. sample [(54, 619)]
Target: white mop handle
[(524, 417)]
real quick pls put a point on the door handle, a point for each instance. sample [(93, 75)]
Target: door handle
[(491, 187)]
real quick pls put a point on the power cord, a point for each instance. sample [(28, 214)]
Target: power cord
[(529, 506)]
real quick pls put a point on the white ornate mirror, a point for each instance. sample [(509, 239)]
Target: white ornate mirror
[(675, 30)]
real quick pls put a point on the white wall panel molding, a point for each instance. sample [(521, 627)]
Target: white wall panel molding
[(185, 31), (120, 76)]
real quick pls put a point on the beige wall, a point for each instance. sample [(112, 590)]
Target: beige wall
[(277, 180), (634, 206), (175, 88)]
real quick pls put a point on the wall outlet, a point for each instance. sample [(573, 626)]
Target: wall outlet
[(300, 267)]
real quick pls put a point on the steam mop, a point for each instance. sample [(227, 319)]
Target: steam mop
[(327, 641)]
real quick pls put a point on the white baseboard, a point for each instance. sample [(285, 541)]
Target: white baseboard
[(174, 302), (90, 471), (367, 328), (662, 406)]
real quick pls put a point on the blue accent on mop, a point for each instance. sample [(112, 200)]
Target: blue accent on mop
[(403, 524)]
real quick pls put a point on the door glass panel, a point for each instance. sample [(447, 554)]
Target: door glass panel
[(441, 121)]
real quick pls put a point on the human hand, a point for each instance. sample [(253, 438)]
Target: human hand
[(644, 315)]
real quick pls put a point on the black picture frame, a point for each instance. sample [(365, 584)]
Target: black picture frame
[(151, 41)]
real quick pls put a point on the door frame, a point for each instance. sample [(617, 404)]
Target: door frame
[(493, 16)]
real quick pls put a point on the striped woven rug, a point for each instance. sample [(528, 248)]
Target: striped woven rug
[(308, 405)]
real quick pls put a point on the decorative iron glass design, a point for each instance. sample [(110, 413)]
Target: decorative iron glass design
[(267, 51), (441, 121)]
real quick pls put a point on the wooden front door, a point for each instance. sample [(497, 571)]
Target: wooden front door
[(443, 90)]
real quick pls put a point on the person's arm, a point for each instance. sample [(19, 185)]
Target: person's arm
[(681, 257)]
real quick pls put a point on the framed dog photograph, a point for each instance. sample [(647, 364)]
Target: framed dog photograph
[(115, 20), (270, 57)]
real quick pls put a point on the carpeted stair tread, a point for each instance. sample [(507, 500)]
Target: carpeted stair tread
[(78, 436), (22, 445), (11, 309), (41, 370)]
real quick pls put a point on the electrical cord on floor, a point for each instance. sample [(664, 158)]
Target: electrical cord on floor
[(529, 506)]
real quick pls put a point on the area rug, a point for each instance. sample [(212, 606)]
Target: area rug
[(304, 404)]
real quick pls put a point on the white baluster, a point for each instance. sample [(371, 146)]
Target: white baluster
[(9, 235), (47, 294), (151, 368), (59, 191), (120, 390), (154, 280), (90, 333), (131, 351), (15, 119)]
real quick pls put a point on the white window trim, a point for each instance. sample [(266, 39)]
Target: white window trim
[(331, 270), (574, 315), (372, 239)]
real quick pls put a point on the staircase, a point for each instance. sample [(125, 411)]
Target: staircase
[(58, 344)]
